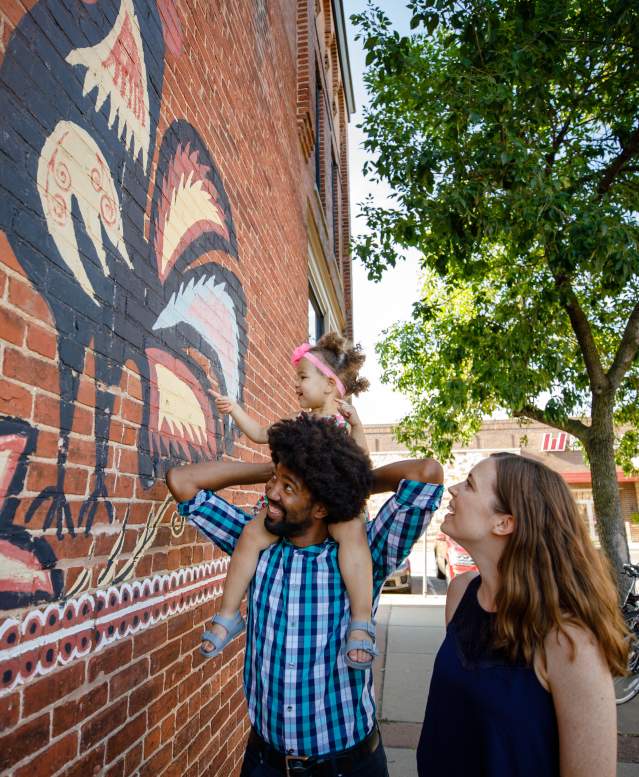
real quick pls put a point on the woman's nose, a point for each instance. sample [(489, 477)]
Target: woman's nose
[(453, 490)]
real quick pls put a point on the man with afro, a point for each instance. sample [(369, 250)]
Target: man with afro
[(311, 715)]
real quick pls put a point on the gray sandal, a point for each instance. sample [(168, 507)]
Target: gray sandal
[(361, 644), (234, 626)]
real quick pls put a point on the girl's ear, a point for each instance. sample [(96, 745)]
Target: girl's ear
[(505, 525)]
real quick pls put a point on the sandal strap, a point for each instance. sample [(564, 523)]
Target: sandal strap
[(230, 624), (234, 626), (367, 626), (361, 644), (215, 639)]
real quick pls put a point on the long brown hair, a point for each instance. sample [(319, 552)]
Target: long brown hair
[(551, 574)]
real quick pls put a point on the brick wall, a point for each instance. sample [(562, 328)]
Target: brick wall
[(156, 167)]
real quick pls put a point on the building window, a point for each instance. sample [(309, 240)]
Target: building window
[(315, 318), (335, 195), (319, 98)]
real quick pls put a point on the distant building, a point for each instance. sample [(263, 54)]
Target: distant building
[(538, 441)]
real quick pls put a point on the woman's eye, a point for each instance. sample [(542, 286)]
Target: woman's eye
[(288, 489)]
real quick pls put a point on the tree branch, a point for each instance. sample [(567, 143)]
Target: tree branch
[(628, 169), (627, 350), (583, 333), (617, 164), (550, 156), (571, 425)]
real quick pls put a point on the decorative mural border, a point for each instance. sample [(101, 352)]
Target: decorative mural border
[(75, 628)]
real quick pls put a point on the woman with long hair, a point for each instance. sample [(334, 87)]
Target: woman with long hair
[(522, 684)]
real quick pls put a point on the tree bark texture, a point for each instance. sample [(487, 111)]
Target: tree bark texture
[(605, 489)]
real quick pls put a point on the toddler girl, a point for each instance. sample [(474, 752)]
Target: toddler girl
[(325, 374)]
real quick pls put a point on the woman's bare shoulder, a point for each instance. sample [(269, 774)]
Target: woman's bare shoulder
[(456, 590), (573, 654)]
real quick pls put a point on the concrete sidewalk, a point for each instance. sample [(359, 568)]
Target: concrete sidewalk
[(410, 630)]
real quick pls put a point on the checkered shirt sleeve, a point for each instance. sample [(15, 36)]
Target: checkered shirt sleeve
[(400, 523), (220, 521)]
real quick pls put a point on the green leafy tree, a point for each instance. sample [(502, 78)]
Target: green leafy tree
[(509, 135)]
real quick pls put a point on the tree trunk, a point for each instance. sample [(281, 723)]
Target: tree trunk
[(605, 490)]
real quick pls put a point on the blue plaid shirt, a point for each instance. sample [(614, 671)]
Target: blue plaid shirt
[(302, 697)]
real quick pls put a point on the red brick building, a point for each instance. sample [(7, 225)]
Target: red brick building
[(173, 220)]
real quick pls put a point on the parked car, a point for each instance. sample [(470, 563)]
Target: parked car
[(451, 558), (399, 580)]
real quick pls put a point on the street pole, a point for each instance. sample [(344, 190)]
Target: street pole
[(425, 582)]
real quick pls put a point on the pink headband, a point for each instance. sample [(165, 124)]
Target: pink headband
[(303, 352)]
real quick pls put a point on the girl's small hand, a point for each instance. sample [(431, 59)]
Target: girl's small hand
[(349, 413), (223, 404)]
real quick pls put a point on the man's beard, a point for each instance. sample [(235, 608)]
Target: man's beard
[(284, 528)]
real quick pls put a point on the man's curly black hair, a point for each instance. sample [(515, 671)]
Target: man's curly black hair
[(331, 464)]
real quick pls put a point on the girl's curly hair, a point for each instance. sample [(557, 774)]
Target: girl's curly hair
[(344, 358), (331, 464)]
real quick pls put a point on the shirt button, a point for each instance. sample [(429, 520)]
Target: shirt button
[(289, 708), (290, 751), (291, 664)]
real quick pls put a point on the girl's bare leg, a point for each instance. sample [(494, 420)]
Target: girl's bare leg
[(356, 568), (241, 568)]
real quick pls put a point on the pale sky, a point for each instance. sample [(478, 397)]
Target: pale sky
[(375, 305)]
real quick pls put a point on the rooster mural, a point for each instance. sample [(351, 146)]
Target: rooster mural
[(80, 95)]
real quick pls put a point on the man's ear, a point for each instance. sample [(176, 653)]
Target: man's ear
[(318, 511), (505, 525)]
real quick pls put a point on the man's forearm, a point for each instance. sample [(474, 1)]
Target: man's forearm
[(184, 482), (388, 478)]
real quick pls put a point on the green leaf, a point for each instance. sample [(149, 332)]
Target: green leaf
[(432, 20)]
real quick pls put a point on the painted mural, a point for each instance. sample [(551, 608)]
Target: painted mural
[(128, 236), (62, 632)]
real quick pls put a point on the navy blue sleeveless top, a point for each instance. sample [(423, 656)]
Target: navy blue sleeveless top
[(485, 716)]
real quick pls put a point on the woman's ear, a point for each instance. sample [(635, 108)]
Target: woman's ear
[(505, 525)]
